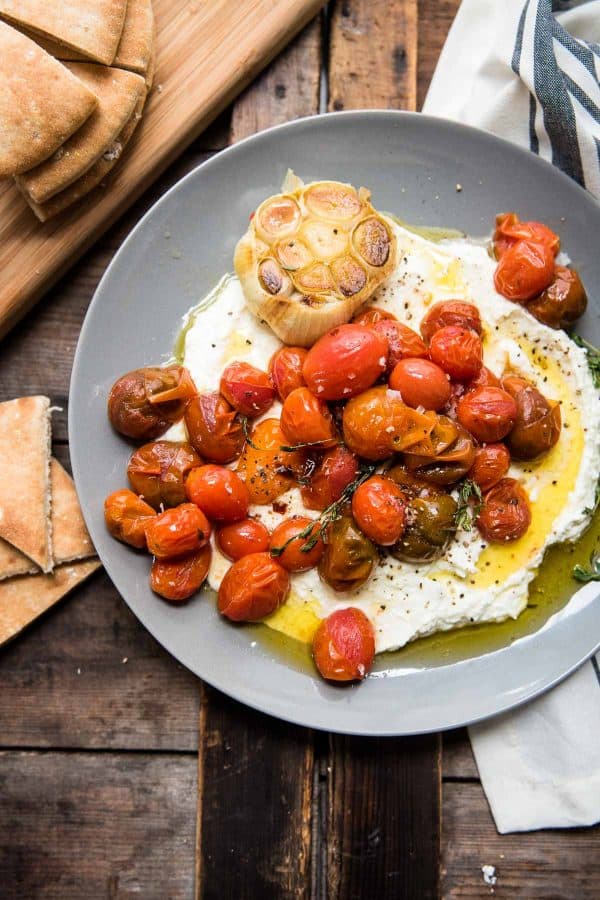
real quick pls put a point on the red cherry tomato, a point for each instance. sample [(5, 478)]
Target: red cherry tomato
[(219, 492), (457, 351), (177, 579), (214, 428), (345, 362), (506, 514), (403, 342), (285, 369), (421, 383), (344, 645), (247, 389), (241, 538), (307, 420), (488, 413), (126, 515), (491, 463), (379, 509), (524, 271), (450, 312), (509, 230), (254, 587), (337, 469), (372, 315), (485, 378), (294, 553), (177, 532)]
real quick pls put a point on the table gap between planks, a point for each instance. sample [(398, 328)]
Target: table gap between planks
[(120, 775)]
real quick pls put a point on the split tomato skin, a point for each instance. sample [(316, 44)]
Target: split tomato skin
[(488, 413), (379, 510), (285, 369), (525, 270), (253, 588), (506, 513), (247, 389), (458, 351), (143, 403), (509, 230), (403, 342), (219, 493), (421, 383), (291, 551), (337, 469), (378, 424), (177, 532), (126, 515), (241, 538), (372, 315), (158, 470), (344, 645), (491, 463), (307, 420), (176, 580), (450, 312), (345, 362), (214, 428)]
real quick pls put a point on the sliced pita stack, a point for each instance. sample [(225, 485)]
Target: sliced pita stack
[(137, 40), (92, 27), (41, 103), (118, 93), (25, 490)]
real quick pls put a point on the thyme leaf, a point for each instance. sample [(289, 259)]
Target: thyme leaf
[(593, 357), (580, 573), (470, 502), (291, 447), (246, 429)]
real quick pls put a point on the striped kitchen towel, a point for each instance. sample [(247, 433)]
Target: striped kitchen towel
[(529, 71)]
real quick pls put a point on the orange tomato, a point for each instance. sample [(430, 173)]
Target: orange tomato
[(177, 532), (525, 269), (264, 466), (307, 420), (344, 645), (125, 515), (158, 470), (506, 513), (488, 413), (295, 553), (379, 510), (214, 428), (421, 383), (241, 538), (491, 463), (378, 424), (285, 369), (220, 493), (254, 587), (177, 579), (458, 351), (344, 362)]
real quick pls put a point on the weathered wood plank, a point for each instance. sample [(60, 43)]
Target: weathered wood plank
[(435, 19), (78, 825), (561, 865), (457, 757), (373, 55)]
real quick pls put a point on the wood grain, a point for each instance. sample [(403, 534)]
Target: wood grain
[(457, 757), (373, 55), (435, 19), (77, 825)]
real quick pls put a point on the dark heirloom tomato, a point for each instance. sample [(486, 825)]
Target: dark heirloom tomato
[(142, 404), (296, 553), (125, 516), (563, 301), (403, 342), (450, 312), (218, 492), (410, 483), (264, 466), (372, 315), (524, 271), (538, 423), (214, 429), (158, 471), (241, 538), (379, 509), (247, 389), (491, 463), (345, 362), (457, 351), (337, 469), (445, 456), (509, 230), (254, 587), (307, 420), (505, 514), (421, 383), (488, 413), (378, 424), (349, 556), (430, 527), (285, 369), (177, 579), (177, 532), (344, 645)]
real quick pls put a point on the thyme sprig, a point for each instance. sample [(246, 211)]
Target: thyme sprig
[(470, 502), (244, 422), (289, 448), (580, 573), (593, 357)]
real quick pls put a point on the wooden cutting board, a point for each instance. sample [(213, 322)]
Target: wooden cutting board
[(207, 52)]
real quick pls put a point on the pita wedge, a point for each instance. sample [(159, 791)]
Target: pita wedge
[(92, 27), (41, 103), (23, 599), (25, 490), (92, 177), (137, 40), (118, 93)]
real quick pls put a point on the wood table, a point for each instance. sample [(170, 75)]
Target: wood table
[(121, 775)]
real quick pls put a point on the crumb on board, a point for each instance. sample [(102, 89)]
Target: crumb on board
[(489, 874)]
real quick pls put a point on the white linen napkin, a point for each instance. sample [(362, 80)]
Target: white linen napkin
[(528, 71)]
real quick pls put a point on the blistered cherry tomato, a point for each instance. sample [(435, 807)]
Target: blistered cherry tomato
[(450, 312), (378, 424), (457, 351), (266, 468), (563, 301), (337, 469), (142, 404), (294, 553), (421, 383), (241, 538), (214, 428), (158, 471), (379, 509), (506, 513), (345, 362), (491, 463), (403, 342), (445, 456), (126, 515), (485, 378), (307, 420), (344, 645), (177, 579), (525, 269), (219, 492), (349, 556), (254, 587), (509, 230), (488, 413), (247, 389), (177, 532), (372, 315), (538, 423), (285, 369)]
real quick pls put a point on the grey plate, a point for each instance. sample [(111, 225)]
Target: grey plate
[(177, 252)]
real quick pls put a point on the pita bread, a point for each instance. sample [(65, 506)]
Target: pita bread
[(25, 520), (92, 177), (118, 93), (137, 40), (92, 27), (23, 599), (41, 103)]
